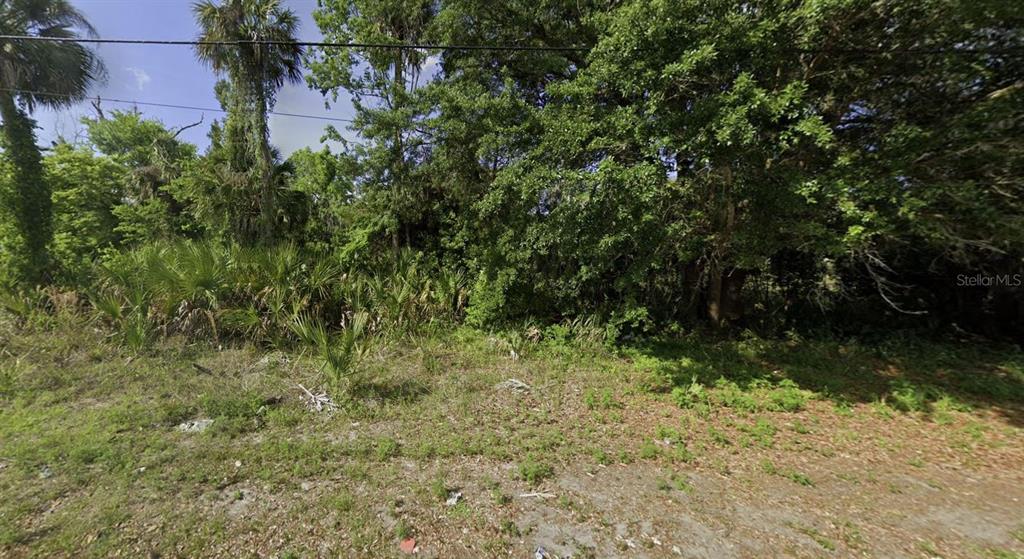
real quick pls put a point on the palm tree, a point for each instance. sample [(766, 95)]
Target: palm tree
[(38, 73), (256, 70)]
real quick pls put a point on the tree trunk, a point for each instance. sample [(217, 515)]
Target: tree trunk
[(265, 161), (717, 269), (31, 204), (731, 308), (715, 295), (397, 174), (692, 292)]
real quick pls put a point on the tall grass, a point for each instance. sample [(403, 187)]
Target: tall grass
[(43, 307)]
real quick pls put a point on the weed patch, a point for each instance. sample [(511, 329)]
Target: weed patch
[(762, 432), (756, 396), (796, 477), (533, 470)]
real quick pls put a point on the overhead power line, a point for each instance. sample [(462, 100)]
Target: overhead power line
[(319, 44), (962, 51), (172, 106)]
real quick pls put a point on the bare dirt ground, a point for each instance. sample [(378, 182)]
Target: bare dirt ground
[(899, 515)]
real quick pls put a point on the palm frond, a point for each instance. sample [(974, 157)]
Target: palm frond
[(64, 70)]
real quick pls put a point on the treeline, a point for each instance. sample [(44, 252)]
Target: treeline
[(841, 165)]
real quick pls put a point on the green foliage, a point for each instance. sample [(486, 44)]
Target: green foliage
[(649, 450), (271, 296), (603, 400), (64, 71), (9, 239), (796, 477), (787, 396), (152, 157), (758, 395), (325, 180), (10, 375), (534, 470), (691, 395), (86, 189), (406, 292), (398, 206), (138, 142), (907, 397), (761, 432), (21, 305), (27, 194), (256, 72), (691, 164), (340, 352)]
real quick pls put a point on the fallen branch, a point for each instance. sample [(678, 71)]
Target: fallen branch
[(318, 402), (886, 287), (202, 369), (538, 495)]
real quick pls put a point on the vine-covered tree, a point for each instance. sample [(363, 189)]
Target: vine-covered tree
[(752, 164), (253, 43), (32, 74)]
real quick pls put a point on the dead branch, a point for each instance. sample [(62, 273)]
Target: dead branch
[(96, 107), (187, 126), (886, 287), (318, 402), (202, 369)]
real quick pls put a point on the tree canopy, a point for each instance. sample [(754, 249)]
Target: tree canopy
[(833, 164)]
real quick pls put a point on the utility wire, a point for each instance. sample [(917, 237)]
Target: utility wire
[(515, 48), (413, 46), (169, 105)]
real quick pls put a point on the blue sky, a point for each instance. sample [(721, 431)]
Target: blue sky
[(171, 74)]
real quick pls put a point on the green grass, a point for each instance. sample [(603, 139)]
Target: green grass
[(718, 437), (754, 375), (601, 399), (758, 395), (439, 490), (649, 451), (996, 553), (796, 477), (101, 419), (675, 482), (762, 433), (818, 537), (534, 470)]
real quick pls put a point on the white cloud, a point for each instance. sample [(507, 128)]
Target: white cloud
[(141, 77)]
